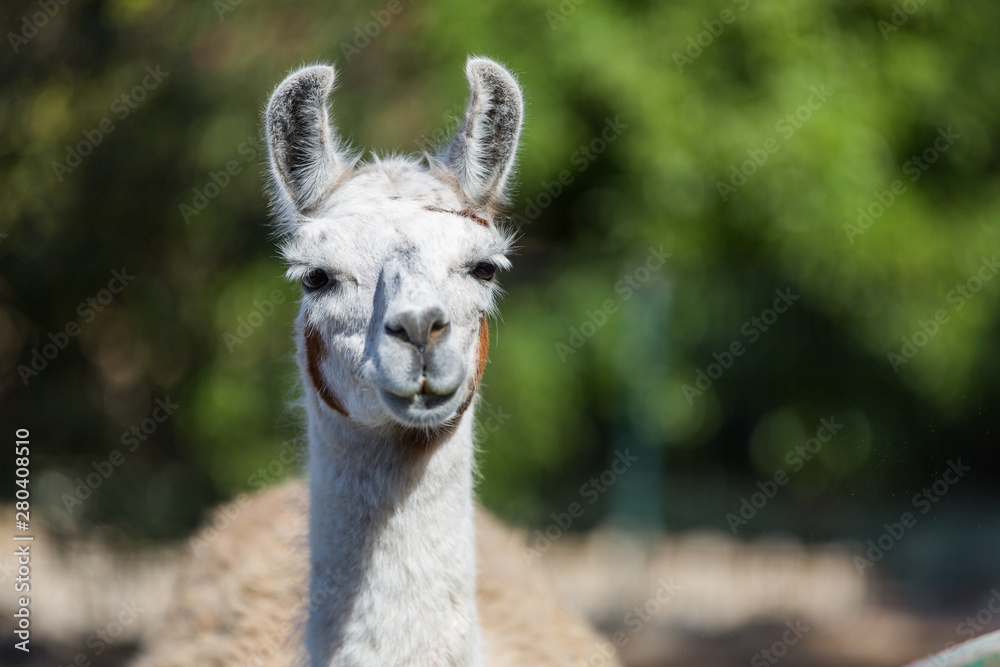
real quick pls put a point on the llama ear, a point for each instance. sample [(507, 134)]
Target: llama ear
[(482, 154), (301, 143)]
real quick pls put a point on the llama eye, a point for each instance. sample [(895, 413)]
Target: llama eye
[(484, 270), (315, 279)]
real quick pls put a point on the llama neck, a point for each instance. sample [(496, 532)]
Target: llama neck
[(392, 545)]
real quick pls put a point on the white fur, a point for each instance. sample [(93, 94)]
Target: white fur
[(397, 543)]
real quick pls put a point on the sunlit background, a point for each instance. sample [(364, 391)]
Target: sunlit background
[(743, 224)]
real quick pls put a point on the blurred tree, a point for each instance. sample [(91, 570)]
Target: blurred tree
[(843, 153)]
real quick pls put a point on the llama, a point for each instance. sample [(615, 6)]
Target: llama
[(397, 260)]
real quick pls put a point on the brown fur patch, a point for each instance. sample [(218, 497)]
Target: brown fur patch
[(484, 350), (315, 352), (465, 213), (481, 356)]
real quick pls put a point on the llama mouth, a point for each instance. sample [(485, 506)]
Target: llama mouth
[(424, 408)]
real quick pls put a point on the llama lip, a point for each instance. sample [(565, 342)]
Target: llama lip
[(422, 387), (422, 408), (428, 388), (424, 396)]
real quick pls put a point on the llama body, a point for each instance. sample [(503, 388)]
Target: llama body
[(397, 261)]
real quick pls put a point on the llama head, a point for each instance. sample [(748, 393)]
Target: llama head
[(396, 257)]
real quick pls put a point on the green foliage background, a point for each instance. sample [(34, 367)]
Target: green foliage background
[(892, 87)]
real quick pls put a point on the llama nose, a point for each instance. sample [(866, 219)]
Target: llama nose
[(420, 328)]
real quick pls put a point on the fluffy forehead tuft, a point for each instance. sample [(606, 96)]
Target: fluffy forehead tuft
[(385, 207)]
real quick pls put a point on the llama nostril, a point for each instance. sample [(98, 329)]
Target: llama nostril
[(438, 329), (397, 332)]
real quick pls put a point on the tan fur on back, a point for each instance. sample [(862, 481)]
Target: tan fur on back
[(241, 600)]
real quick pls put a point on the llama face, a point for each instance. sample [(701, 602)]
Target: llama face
[(397, 284), (396, 258)]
